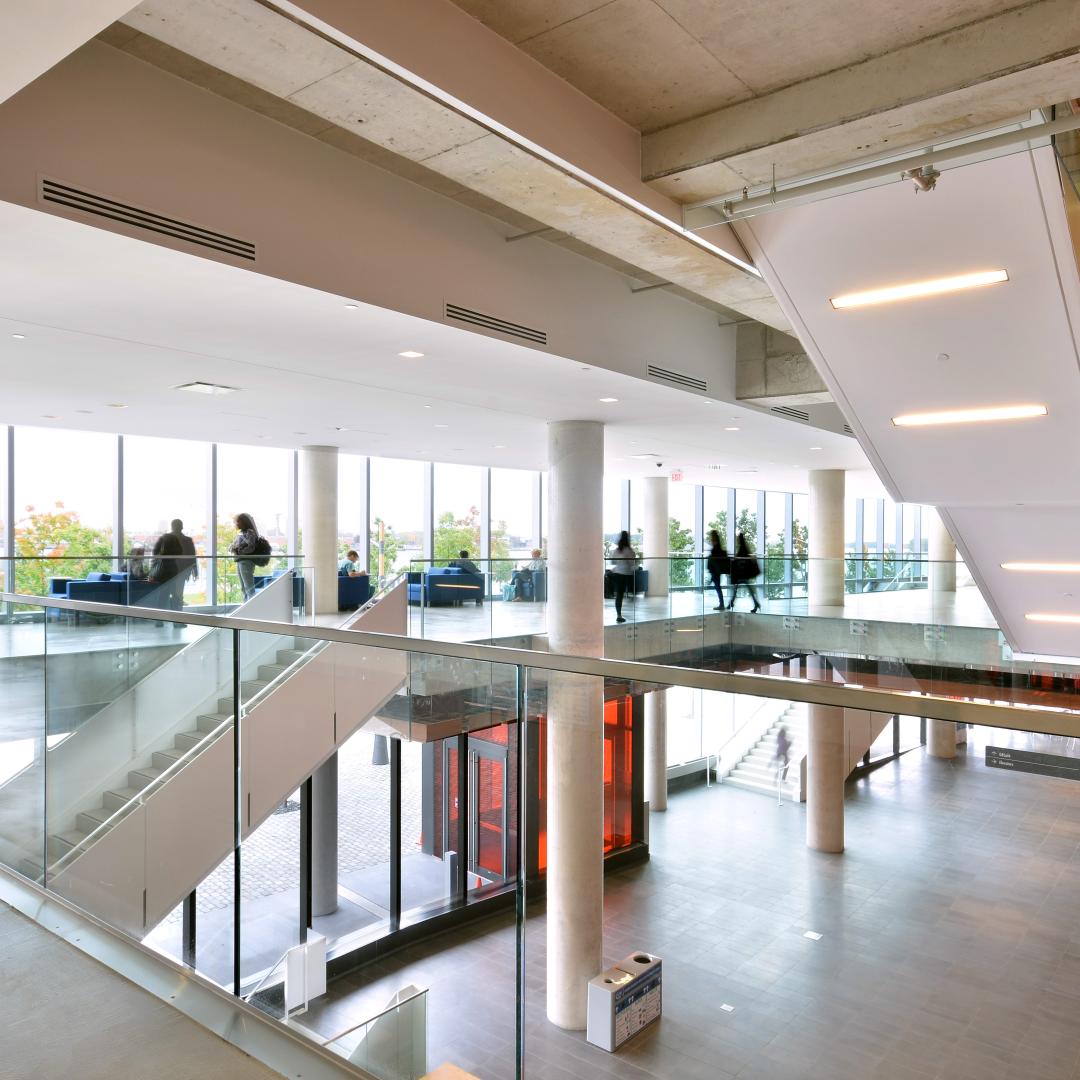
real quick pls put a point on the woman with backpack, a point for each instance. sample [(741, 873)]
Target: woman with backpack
[(248, 543), (744, 568)]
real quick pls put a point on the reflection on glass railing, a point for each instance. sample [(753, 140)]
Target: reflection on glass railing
[(393, 1044)]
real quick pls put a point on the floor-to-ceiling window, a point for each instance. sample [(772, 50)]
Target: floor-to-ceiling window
[(4, 522), (167, 479), (717, 513), (352, 505), (459, 507), (65, 504), (776, 564), (399, 518), (682, 518), (614, 510), (515, 519)]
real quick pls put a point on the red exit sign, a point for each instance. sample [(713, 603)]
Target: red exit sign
[(676, 474)]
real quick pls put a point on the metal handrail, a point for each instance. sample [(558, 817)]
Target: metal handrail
[(1053, 720)]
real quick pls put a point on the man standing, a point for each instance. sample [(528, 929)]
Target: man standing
[(181, 548)]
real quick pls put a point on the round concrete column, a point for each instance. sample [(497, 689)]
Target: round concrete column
[(324, 838), (575, 721), (825, 538), (657, 534), (825, 774), (941, 738), (319, 526), (656, 749), (942, 552)]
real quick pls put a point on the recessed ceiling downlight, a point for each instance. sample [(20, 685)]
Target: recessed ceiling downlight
[(609, 400), (987, 414), (411, 354), (1044, 617), (915, 290), (198, 387), (1043, 567)]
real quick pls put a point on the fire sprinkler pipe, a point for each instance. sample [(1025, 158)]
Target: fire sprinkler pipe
[(734, 209)]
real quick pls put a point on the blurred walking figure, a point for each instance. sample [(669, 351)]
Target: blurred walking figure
[(188, 564), (136, 566), (719, 564), (783, 753), (246, 543), (744, 569), (624, 561)]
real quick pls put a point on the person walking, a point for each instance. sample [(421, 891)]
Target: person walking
[(719, 564), (164, 570), (624, 562), (744, 569), (245, 544), (783, 753)]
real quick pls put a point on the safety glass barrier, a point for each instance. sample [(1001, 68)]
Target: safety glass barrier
[(299, 803)]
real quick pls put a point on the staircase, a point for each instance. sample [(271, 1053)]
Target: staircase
[(756, 771), (205, 727)]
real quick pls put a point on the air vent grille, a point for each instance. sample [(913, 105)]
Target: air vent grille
[(848, 430), (52, 191), (493, 322), (792, 413), (677, 378)]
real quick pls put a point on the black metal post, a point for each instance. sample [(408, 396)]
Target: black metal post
[(189, 930), (237, 819), (463, 816), (395, 834), (305, 858)]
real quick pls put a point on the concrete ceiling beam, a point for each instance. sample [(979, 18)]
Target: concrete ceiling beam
[(353, 94), (977, 75)]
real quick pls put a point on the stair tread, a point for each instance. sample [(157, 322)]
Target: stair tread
[(72, 837), (125, 793), (151, 771), (100, 814)]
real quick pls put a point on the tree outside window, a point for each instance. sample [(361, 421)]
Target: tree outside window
[(43, 536)]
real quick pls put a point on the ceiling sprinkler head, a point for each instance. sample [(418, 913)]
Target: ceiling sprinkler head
[(924, 178)]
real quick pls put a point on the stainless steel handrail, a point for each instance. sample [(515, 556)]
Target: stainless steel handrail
[(1051, 720)]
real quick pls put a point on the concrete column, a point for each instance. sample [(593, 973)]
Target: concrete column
[(656, 749), (941, 738), (825, 539), (319, 526), (657, 530), (942, 553), (825, 773), (324, 838), (575, 721)]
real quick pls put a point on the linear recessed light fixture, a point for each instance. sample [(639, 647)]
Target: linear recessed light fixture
[(914, 290), (1035, 616), (1043, 567), (411, 354), (609, 400), (19, 337), (981, 415), (198, 387), (116, 405), (351, 307)]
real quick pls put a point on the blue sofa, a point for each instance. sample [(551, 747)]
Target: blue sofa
[(262, 580), (445, 585), (353, 592), (105, 588)]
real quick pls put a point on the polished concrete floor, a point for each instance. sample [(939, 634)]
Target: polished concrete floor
[(500, 619), (949, 941), (66, 1015)]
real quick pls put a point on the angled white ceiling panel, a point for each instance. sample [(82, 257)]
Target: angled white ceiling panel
[(1010, 490)]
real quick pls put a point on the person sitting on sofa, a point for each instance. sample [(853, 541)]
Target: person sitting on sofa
[(467, 566), (525, 574), (350, 566)]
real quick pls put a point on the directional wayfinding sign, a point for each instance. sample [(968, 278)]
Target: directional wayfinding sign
[(1006, 757)]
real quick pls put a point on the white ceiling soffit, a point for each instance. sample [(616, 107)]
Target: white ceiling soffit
[(91, 319), (345, 84), (1009, 343)]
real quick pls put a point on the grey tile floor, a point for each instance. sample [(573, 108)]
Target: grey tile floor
[(66, 1015), (950, 945)]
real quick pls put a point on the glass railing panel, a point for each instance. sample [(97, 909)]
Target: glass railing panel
[(23, 741), (393, 1044)]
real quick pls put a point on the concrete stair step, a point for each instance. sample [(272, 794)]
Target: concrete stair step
[(760, 787), (89, 820), (119, 797), (61, 843), (225, 706), (139, 778), (32, 868), (250, 687), (212, 721), (289, 656), (755, 770), (163, 759), (188, 740), (269, 672)]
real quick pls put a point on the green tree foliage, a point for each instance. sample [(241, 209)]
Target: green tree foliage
[(44, 536), (680, 539), (453, 535), (390, 547)]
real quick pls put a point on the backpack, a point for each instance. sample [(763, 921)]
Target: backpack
[(262, 551)]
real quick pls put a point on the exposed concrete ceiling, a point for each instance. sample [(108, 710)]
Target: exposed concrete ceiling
[(257, 57), (659, 62)]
